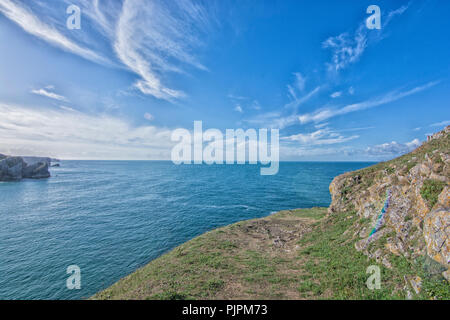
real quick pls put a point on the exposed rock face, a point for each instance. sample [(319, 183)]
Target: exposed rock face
[(38, 170), (15, 168), (436, 232), (11, 168), (417, 223)]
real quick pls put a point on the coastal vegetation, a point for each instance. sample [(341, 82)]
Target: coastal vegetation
[(431, 190)]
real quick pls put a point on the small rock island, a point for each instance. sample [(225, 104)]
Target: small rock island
[(17, 168)]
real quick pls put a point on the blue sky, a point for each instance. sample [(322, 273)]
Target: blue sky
[(136, 70)]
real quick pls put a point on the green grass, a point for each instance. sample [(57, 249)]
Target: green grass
[(340, 269), (430, 191), (390, 170), (315, 213), (437, 289), (434, 285)]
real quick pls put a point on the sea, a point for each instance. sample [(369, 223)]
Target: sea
[(109, 218)]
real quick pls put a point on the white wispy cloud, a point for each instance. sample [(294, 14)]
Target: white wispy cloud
[(68, 108), (299, 84), (148, 116), (238, 108), (336, 94), (47, 93), (296, 88), (75, 135), (348, 47), (280, 120), (155, 38), (30, 23), (263, 118), (102, 13), (355, 129), (314, 153), (148, 38), (393, 148), (320, 137), (236, 97), (327, 113), (440, 124), (321, 125), (379, 152), (351, 91), (396, 12), (255, 105), (244, 103), (301, 100), (273, 119)]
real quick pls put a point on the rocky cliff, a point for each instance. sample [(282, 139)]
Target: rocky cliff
[(17, 168), (403, 211)]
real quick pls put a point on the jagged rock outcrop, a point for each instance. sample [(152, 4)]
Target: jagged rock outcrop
[(436, 231), (15, 168), (416, 224)]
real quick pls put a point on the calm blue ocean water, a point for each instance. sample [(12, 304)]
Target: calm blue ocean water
[(112, 217)]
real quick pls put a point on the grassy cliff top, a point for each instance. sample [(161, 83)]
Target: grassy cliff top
[(295, 254)]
